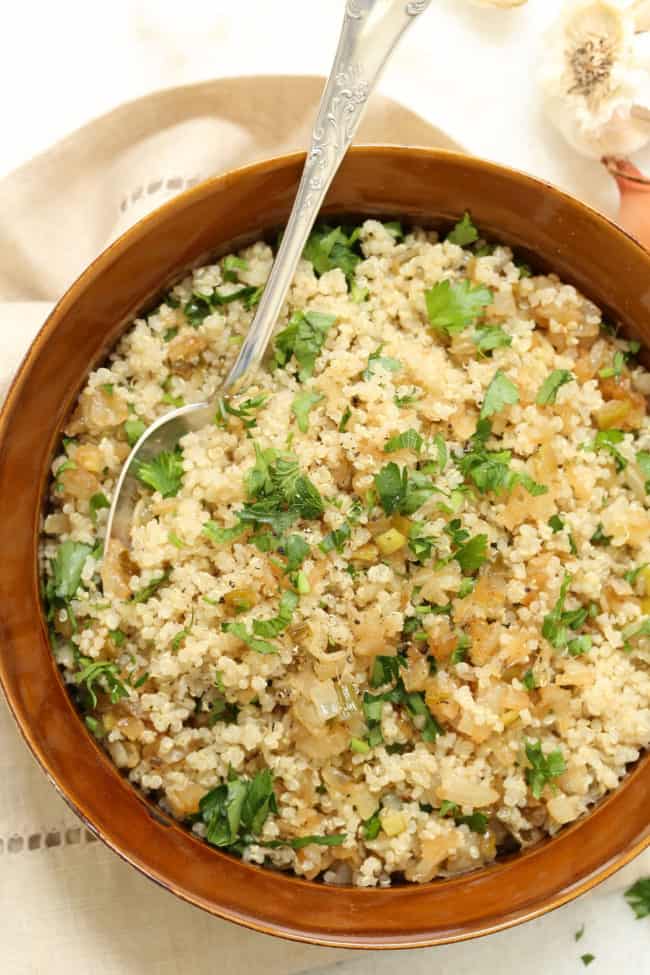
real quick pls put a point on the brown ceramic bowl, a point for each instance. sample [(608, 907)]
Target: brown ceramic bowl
[(555, 231)]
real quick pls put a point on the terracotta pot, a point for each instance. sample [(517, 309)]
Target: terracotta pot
[(553, 231)]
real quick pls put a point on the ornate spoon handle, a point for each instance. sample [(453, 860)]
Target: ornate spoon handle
[(371, 29)]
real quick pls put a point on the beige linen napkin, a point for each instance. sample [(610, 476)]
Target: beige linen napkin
[(67, 903)]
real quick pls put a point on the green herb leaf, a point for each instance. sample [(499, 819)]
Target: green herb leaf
[(407, 400), (472, 554), (134, 430), (579, 645), (464, 233), (376, 359), (144, 595), (587, 959), (643, 463), (547, 393), (118, 637), (104, 674), (500, 393), (579, 933), (68, 566), (452, 307), (400, 490), (556, 523), (345, 419), (477, 822), (638, 897), (231, 265), (246, 411), (301, 406), (222, 536), (605, 440), (336, 539), (408, 440), (543, 768), (385, 670), (331, 247), (303, 338), (371, 827), (616, 368), (529, 681), (599, 537), (296, 550), (487, 338), (237, 808), (96, 503), (163, 473), (300, 842)]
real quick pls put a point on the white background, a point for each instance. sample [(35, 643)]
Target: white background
[(469, 71)]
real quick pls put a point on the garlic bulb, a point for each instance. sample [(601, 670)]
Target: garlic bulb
[(595, 81)]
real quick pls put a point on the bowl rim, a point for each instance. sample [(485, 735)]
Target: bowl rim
[(299, 931)]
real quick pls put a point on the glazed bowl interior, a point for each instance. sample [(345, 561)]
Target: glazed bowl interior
[(428, 187)]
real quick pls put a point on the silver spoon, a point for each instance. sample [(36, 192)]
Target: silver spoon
[(370, 32)]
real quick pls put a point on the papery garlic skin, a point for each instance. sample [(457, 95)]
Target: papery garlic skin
[(593, 74)]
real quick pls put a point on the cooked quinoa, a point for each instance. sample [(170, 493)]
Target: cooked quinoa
[(389, 615)]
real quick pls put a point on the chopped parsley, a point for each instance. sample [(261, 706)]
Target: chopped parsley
[(134, 430), (144, 595), (371, 827), (400, 490), (616, 368), (300, 842), (222, 536), (477, 821), (500, 393), (579, 933), (336, 539), (543, 768), (407, 399), (599, 537), (472, 554), (633, 632), (487, 338), (118, 637), (547, 393), (235, 812), (606, 440), (281, 493), (556, 523), (303, 338), (100, 673), (345, 419), (643, 462), (490, 470), (408, 440), (246, 411), (199, 306), (559, 623), (68, 566), (96, 503), (262, 631), (231, 265), (587, 959), (385, 670), (529, 681), (377, 360), (331, 247), (163, 473), (638, 897), (464, 233), (452, 307), (302, 405)]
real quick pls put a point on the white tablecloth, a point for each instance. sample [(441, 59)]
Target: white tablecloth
[(67, 904)]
